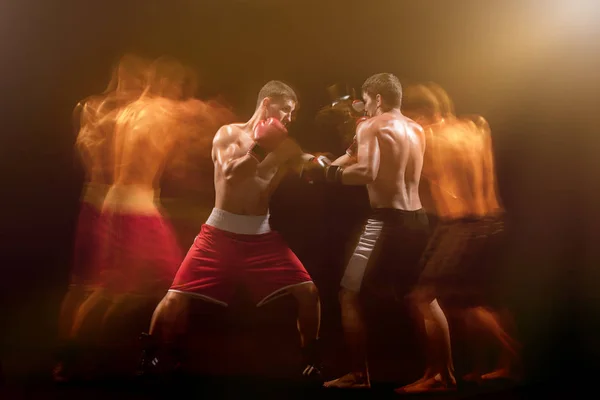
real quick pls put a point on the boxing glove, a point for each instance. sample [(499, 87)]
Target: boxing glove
[(267, 135), (319, 169), (358, 106)]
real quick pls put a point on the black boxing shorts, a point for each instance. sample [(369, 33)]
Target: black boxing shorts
[(388, 251), (458, 264)]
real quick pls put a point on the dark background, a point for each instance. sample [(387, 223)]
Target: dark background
[(530, 67)]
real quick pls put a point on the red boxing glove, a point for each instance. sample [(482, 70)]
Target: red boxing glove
[(267, 135)]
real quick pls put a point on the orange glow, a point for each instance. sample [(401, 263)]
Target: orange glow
[(458, 165)]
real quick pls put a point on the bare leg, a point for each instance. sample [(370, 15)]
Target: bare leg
[(168, 323), (75, 296), (355, 335), (309, 321), (309, 312), (493, 324), (65, 354), (439, 374), (62, 370), (88, 306), (477, 348), (170, 317)]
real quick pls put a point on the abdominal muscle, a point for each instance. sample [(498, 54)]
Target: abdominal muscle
[(243, 198)]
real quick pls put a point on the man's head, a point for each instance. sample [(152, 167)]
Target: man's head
[(132, 73), (445, 102), (277, 100), (166, 78), (421, 105), (381, 93)]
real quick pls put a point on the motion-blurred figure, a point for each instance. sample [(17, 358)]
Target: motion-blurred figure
[(139, 251), (95, 127), (460, 178)]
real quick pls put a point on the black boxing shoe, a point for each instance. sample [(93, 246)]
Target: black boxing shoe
[(311, 360), (157, 360), (148, 363)]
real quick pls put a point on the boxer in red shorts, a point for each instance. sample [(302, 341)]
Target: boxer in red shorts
[(236, 245)]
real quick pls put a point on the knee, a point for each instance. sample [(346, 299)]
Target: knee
[(421, 300), (171, 303), (306, 293), (348, 297)]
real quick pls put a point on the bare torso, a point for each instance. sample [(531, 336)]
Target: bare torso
[(241, 193), (144, 136), (92, 141), (457, 169), (401, 145)]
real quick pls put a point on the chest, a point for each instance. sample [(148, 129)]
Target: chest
[(264, 173)]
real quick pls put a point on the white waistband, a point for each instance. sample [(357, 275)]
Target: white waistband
[(240, 224)]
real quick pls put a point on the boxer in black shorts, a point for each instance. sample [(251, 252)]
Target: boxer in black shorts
[(387, 157)]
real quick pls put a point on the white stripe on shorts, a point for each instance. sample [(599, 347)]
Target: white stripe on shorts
[(355, 270)]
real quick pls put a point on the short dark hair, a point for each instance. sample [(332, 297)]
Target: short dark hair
[(278, 91), (387, 86)]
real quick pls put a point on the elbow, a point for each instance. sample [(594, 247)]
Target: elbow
[(369, 175)]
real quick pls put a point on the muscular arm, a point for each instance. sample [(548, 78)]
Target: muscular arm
[(226, 151), (237, 164), (366, 167), (489, 178), (344, 161)]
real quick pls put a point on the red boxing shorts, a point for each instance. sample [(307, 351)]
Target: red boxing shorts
[(140, 253), (233, 250)]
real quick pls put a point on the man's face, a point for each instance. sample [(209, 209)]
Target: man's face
[(370, 104), (281, 110)]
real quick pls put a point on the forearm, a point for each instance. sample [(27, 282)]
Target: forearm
[(344, 161), (357, 174), (296, 163), (242, 167)]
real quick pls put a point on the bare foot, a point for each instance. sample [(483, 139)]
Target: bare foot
[(435, 384), (474, 377), (353, 380), (501, 373), (60, 373)]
